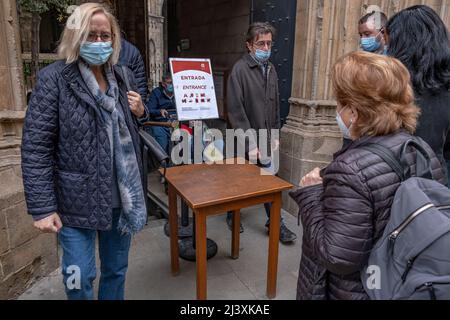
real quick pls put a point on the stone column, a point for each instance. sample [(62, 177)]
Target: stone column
[(325, 30), (155, 45), (310, 135), (25, 254)]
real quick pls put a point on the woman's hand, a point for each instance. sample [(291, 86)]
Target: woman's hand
[(311, 179), (51, 224), (136, 105)]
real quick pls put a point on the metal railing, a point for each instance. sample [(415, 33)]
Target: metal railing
[(44, 60)]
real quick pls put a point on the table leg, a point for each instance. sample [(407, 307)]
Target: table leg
[(200, 250), (173, 223), (274, 235), (236, 234)]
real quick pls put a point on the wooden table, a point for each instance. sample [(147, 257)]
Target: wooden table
[(216, 189)]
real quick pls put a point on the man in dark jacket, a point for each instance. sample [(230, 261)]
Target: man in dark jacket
[(253, 101), (132, 58), (161, 106)]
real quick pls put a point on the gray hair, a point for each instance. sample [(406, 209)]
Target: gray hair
[(258, 28)]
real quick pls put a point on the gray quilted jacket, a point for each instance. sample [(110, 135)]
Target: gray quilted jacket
[(344, 217), (66, 158)]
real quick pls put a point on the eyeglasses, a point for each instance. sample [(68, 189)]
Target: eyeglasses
[(104, 36), (263, 44)]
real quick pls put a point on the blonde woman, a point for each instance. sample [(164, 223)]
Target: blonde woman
[(345, 207), (81, 158)]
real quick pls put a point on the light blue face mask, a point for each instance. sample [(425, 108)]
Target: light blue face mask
[(263, 56), (169, 88), (345, 131), (370, 44), (96, 53)]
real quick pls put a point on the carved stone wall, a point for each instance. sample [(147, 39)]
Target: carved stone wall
[(156, 46), (25, 254)]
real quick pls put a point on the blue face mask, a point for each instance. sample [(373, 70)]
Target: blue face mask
[(96, 53), (370, 44), (262, 56), (345, 131), (169, 88)]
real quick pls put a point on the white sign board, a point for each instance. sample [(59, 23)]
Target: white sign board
[(193, 83)]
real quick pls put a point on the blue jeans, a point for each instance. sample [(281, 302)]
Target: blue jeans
[(162, 136), (79, 257)]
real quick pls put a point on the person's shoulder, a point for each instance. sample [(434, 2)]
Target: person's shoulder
[(425, 97), (53, 71), (157, 92), (128, 53), (357, 158), (240, 65), (55, 67), (128, 46)]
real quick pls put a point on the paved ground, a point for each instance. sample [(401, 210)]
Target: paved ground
[(149, 276)]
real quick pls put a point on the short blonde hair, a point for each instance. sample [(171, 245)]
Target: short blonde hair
[(73, 37), (379, 89)]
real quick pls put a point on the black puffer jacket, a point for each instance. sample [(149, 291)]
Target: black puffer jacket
[(344, 217)]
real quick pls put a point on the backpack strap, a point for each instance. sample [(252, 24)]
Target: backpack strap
[(423, 160), (400, 166), (388, 156)]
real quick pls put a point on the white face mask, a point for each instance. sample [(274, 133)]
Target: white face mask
[(345, 131)]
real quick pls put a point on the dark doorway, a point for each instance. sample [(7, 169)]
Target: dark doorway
[(173, 25), (132, 17), (282, 15)]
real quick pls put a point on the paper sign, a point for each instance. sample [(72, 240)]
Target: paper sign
[(193, 83)]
